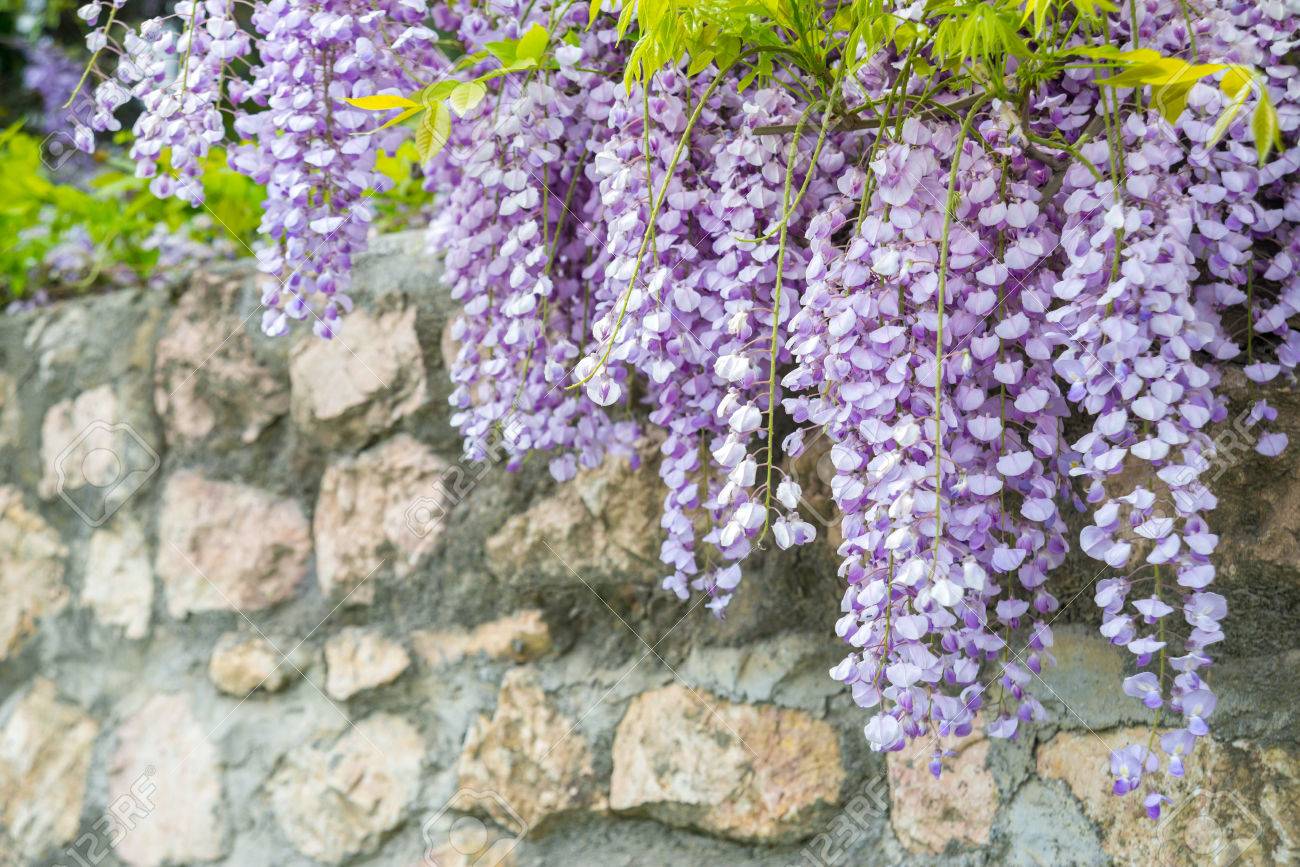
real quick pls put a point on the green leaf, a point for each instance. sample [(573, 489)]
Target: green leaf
[(465, 96), (433, 132), (1093, 9), (532, 45), (438, 91), (1037, 9), (1235, 79), (699, 62), (381, 102), (504, 50), (1264, 125), (1171, 100), (1225, 119), (592, 11)]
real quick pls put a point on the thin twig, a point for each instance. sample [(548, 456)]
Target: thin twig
[(873, 122)]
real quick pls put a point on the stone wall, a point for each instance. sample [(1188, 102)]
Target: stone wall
[(243, 623)]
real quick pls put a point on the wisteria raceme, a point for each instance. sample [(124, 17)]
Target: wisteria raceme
[(989, 311), (294, 134)]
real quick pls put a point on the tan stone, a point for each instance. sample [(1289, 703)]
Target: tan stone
[(118, 578), (368, 514), (749, 772), (335, 801), (31, 571), (528, 762), (1237, 804), (603, 523), (927, 814), (207, 378), (45, 753), (362, 382), (242, 663), (360, 659), (164, 751), (228, 546), (519, 637)]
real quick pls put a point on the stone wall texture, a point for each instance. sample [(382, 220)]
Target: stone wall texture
[(254, 610)]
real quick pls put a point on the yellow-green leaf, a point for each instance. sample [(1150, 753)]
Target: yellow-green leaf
[(699, 62), (1092, 9), (1171, 99), (593, 9), (1264, 125), (1236, 78), (433, 132), (1037, 9), (401, 117), (532, 44), (465, 96), (438, 91), (381, 102), (506, 50), (1225, 119)]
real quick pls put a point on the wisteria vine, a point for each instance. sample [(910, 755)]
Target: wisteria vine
[(992, 257)]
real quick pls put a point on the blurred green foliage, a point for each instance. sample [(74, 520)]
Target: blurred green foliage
[(115, 211)]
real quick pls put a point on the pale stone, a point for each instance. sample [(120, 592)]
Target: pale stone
[(602, 524), (242, 663), (207, 379), (363, 381), (45, 753), (95, 454), (1236, 804), (118, 578), (528, 762), (749, 772), (228, 546), (519, 637), (31, 571), (163, 750), (335, 801), (475, 846), (10, 411), (928, 814), (359, 659), (369, 513), (70, 457)]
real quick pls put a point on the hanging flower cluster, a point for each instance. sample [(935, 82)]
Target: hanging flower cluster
[(994, 268), (292, 131)]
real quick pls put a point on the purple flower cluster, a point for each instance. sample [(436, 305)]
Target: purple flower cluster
[(295, 135), (939, 352), (937, 299)]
